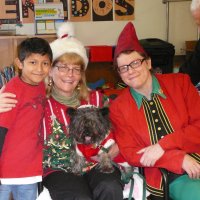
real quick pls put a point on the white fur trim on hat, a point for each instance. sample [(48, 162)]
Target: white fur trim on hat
[(87, 106), (67, 43), (65, 28)]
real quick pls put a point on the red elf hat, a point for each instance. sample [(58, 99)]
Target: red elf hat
[(128, 40)]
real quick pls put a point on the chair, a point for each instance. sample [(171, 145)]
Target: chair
[(165, 181)]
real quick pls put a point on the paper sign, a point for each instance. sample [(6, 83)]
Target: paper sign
[(49, 11)]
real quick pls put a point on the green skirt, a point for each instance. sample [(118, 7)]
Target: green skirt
[(185, 188)]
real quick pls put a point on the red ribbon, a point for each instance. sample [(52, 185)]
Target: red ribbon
[(66, 35)]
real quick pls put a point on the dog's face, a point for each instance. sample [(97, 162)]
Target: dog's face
[(89, 125)]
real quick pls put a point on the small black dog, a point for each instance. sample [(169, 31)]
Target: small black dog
[(90, 127)]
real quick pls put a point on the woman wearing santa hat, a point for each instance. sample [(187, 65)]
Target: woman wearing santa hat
[(68, 88), (157, 121)]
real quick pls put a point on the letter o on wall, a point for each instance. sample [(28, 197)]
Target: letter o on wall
[(102, 7)]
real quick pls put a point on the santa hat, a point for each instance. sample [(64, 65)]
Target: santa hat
[(67, 43), (128, 40)]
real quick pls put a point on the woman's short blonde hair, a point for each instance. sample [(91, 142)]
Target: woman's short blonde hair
[(75, 59)]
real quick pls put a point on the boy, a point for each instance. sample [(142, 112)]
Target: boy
[(20, 148)]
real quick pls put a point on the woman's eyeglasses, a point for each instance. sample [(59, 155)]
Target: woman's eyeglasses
[(133, 65), (65, 69)]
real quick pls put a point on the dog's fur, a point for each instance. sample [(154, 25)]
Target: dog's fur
[(89, 126)]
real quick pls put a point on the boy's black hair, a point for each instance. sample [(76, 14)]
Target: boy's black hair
[(34, 45)]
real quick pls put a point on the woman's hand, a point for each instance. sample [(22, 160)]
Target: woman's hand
[(113, 151), (7, 101), (150, 155), (191, 167)]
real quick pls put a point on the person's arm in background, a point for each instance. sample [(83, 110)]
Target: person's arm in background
[(7, 101), (192, 64)]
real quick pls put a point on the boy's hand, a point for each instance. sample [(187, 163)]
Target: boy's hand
[(7, 101)]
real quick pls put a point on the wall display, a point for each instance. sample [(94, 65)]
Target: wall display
[(80, 10), (9, 12), (124, 10), (22, 11), (47, 17), (65, 5), (49, 11), (102, 10), (65, 8), (27, 11)]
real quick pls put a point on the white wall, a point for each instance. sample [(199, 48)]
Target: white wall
[(181, 25), (150, 22)]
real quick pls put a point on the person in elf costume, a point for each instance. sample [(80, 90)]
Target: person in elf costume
[(156, 121)]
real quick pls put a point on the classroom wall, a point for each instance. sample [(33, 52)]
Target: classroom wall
[(181, 25), (150, 22)]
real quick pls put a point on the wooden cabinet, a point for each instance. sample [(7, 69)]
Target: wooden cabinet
[(8, 47), (95, 71), (102, 70)]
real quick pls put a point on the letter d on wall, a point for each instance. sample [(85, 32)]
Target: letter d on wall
[(80, 10)]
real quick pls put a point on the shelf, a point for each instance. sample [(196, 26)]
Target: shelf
[(8, 46)]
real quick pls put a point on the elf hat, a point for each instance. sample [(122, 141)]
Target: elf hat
[(128, 40), (67, 43)]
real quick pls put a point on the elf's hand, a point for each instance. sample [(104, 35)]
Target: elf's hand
[(150, 155), (191, 167)]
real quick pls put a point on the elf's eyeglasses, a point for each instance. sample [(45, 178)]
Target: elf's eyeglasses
[(133, 65)]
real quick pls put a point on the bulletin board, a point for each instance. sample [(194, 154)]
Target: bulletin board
[(22, 11), (9, 12), (47, 17)]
